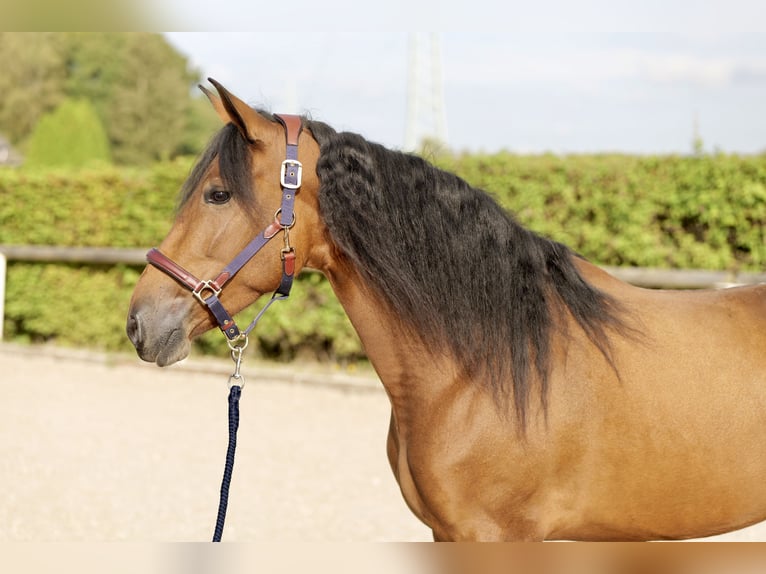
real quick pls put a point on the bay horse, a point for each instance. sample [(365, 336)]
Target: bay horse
[(533, 396)]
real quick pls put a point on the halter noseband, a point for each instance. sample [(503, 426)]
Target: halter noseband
[(207, 291)]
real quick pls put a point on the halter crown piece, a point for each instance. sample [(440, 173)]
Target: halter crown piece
[(207, 291)]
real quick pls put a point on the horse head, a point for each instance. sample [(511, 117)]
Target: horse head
[(235, 190)]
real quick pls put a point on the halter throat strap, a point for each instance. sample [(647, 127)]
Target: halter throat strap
[(207, 291)]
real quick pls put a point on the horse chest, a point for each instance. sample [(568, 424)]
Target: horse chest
[(460, 482)]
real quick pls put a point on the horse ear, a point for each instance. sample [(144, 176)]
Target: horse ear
[(250, 123), (217, 104)]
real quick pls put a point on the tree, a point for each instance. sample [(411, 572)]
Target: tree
[(32, 79), (72, 135), (92, 66), (148, 107), (201, 122), (139, 85)]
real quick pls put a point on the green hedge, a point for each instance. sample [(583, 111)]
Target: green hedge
[(699, 212), (681, 212), (76, 304), (86, 305)]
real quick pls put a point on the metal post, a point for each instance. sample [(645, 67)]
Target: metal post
[(437, 91), (426, 116), (413, 93), (2, 292)]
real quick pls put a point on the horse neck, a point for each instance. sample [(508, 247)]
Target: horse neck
[(400, 358)]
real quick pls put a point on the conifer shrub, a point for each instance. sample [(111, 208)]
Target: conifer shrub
[(70, 136)]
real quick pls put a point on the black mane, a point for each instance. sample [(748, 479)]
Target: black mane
[(235, 164), (454, 266)]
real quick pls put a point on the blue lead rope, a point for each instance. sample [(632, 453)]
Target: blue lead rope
[(236, 382), (234, 394)]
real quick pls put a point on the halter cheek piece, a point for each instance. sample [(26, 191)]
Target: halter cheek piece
[(207, 291)]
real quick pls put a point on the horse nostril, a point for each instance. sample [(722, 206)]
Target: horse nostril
[(133, 329)]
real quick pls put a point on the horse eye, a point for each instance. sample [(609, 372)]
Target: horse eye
[(217, 196)]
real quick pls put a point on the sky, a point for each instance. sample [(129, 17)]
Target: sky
[(556, 76)]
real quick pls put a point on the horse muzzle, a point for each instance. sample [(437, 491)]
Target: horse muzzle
[(159, 335)]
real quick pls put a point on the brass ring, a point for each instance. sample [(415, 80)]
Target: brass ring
[(276, 217)]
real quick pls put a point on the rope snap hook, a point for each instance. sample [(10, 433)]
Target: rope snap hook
[(237, 347)]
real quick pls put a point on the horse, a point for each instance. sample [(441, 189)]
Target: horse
[(533, 395)]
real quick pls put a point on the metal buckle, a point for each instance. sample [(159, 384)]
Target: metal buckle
[(297, 173), (204, 287)]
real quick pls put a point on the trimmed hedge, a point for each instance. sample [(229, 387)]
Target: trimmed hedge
[(86, 305), (76, 304), (680, 212), (698, 212)]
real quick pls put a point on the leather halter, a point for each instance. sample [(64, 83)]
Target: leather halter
[(207, 291)]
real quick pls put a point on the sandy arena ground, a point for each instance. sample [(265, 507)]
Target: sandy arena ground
[(98, 448)]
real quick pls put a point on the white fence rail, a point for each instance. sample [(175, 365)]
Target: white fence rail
[(55, 254), (92, 255), (641, 276)]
